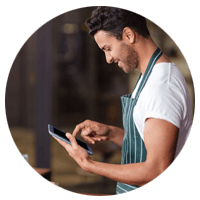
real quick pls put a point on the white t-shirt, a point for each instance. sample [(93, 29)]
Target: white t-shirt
[(165, 96)]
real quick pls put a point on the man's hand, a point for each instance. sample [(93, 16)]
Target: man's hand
[(79, 154), (92, 131)]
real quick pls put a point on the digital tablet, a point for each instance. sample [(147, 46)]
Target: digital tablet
[(61, 135)]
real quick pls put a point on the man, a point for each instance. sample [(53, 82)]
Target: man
[(157, 116)]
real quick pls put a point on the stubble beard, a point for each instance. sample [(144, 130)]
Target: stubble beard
[(129, 58)]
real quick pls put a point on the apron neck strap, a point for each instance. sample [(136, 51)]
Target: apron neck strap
[(156, 55)]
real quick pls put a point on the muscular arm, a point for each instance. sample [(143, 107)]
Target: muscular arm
[(160, 138)]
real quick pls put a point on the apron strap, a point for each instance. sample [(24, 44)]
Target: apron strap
[(157, 54)]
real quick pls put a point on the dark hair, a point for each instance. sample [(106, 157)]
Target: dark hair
[(114, 20)]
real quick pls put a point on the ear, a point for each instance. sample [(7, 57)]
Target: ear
[(129, 35)]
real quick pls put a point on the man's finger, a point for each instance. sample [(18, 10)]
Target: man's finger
[(86, 135), (71, 139), (77, 129)]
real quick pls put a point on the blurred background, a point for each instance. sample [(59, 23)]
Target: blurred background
[(60, 77)]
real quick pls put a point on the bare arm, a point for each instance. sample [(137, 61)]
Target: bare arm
[(160, 139), (116, 135)]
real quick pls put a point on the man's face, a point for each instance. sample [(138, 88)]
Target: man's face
[(117, 51)]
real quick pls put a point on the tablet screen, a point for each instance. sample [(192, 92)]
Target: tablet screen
[(62, 134)]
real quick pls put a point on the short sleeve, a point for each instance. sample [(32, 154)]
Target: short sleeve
[(163, 102)]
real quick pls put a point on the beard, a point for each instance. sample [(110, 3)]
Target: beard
[(129, 58)]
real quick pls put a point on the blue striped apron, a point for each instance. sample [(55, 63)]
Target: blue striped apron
[(133, 148)]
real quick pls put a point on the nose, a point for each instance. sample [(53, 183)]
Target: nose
[(109, 58)]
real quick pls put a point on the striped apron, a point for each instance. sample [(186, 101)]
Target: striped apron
[(133, 148)]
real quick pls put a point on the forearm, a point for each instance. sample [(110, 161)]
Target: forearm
[(116, 135), (133, 174)]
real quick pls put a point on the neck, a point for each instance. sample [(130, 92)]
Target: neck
[(145, 49)]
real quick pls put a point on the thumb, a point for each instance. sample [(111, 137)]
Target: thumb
[(71, 139)]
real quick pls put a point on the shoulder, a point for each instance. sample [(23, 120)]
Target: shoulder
[(163, 72), (158, 81), (165, 77), (164, 94)]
